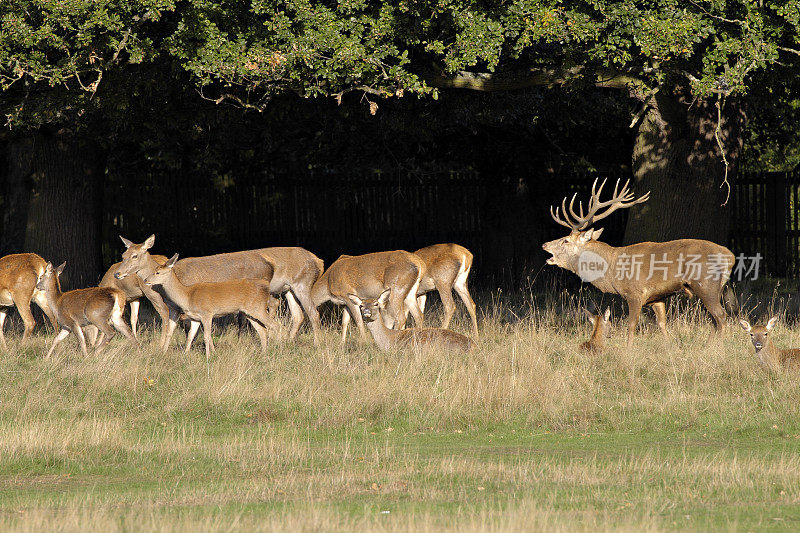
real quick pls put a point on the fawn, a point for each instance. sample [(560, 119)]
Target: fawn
[(391, 339), (73, 310), (201, 302), (770, 356), (600, 323)]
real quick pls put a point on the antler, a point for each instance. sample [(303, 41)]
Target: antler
[(622, 198)]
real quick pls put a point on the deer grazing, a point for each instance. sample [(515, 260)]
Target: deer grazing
[(291, 271), (645, 273), (600, 330), (201, 302), (18, 276), (76, 309), (371, 310), (770, 356), (367, 276), (447, 268)]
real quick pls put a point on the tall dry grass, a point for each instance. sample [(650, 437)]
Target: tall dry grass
[(321, 438)]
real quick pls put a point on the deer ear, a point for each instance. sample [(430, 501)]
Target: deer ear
[(745, 325), (60, 268), (149, 242), (771, 323), (171, 262), (126, 242), (596, 234), (355, 299), (585, 237), (383, 299), (607, 314)]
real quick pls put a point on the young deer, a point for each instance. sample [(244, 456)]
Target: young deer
[(391, 339), (201, 302), (770, 356), (600, 324), (95, 306), (18, 276)]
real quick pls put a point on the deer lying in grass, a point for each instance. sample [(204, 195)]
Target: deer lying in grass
[(600, 325), (370, 310), (646, 273), (770, 356), (73, 310), (201, 302), (18, 276)]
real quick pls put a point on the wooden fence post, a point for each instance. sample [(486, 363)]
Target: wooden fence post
[(776, 222)]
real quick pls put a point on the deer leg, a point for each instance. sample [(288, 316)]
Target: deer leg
[(713, 306), (81, 339), (193, 327), (634, 310), (304, 297), (23, 303), (134, 317), (446, 294), (355, 314), (209, 342), (58, 338), (122, 327), (262, 333), (460, 287), (3, 313), (91, 334), (410, 302), (345, 323), (421, 301), (660, 309), (296, 310)]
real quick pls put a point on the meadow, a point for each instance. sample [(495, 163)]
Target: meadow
[(526, 433)]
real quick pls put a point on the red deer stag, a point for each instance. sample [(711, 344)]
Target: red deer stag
[(18, 276), (645, 273)]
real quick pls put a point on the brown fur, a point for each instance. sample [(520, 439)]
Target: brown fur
[(447, 268), (18, 276), (367, 276), (770, 356), (73, 310), (600, 325)]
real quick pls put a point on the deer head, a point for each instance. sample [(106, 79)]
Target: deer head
[(49, 276), (162, 273), (134, 258), (371, 308), (759, 334), (566, 250)]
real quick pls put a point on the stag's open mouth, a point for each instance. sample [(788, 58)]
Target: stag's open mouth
[(551, 261)]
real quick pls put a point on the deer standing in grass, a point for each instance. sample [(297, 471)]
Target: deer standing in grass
[(447, 267), (367, 276), (770, 356), (371, 310), (18, 276), (645, 273), (600, 330), (201, 302), (289, 271), (95, 306)]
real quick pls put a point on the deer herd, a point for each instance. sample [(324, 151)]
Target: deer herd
[(376, 290)]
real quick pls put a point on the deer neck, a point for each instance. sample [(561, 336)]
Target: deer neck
[(598, 336), (52, 295), (384, 337), (177, 291), (609, 254), (769, 355), (150, 266)]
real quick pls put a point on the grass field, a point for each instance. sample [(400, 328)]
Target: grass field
[(526, 433)]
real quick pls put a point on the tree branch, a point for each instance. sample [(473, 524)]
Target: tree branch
[(509, 81)]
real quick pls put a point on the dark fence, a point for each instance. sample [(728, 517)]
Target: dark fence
[(359, 212)]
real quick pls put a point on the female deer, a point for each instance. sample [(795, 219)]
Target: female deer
[(770, 356), (73, 310), (600, 325)]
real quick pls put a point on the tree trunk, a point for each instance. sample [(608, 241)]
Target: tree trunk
[(676, 157), (17, 189), (65, 212)]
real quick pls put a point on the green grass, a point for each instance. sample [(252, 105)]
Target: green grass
[(526, 433)]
